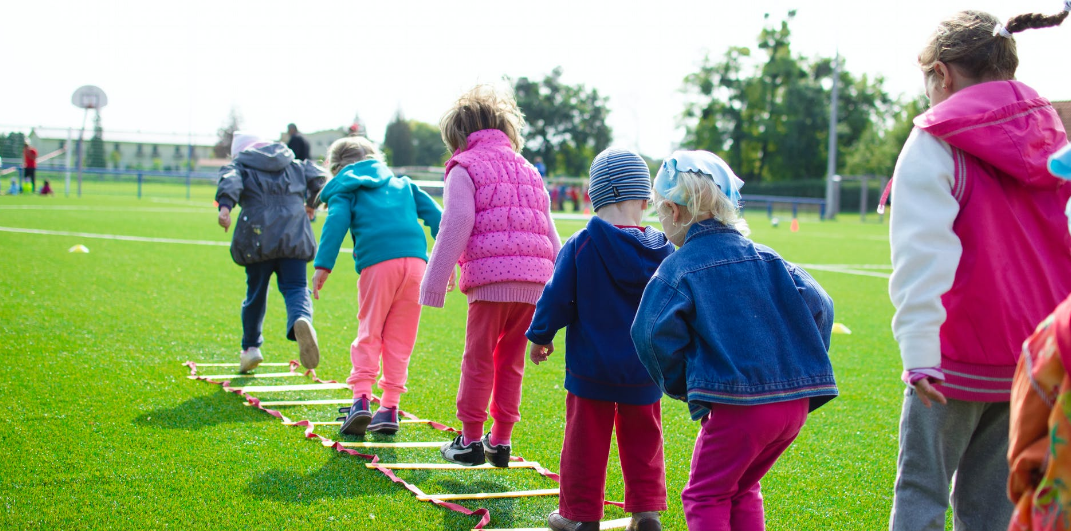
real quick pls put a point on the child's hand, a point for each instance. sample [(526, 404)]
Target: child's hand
[(225, 218), (928, 392), (452, 283), (318, 279), (311, 212), (540, 353)]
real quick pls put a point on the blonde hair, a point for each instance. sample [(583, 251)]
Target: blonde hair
[(969, 40), (483, 107), (703, 196), (348, 150)]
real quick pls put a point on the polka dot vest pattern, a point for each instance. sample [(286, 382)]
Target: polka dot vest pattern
[(509, 241)]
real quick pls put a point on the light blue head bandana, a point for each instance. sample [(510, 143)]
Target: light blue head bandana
[(1060, 166), (697, 162)]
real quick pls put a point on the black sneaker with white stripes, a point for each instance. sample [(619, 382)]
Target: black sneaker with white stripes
[(468, 455), (497, 454)]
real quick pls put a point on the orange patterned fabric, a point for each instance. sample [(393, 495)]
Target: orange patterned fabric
[(1039, 450)]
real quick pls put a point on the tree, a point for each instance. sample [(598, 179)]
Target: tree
[(11, 148), (878, 148), (770, 120), (222, 149), (428, 146), (566, 123), (95, 157), (398, 142)]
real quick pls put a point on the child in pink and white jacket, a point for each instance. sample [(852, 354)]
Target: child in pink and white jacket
[(496, 223), (980, 254)]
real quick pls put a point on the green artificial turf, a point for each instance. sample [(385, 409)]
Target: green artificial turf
[(100, 428)]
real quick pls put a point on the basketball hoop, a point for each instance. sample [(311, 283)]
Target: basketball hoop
[(89, 97)]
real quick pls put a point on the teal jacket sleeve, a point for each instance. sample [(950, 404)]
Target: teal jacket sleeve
[(337, 224), (427, 209), (557, 305), (661, 335), (818, 301)]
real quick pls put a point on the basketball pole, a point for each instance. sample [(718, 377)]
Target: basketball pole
[(67, 166), (831, 169)]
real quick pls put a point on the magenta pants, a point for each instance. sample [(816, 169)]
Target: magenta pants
[(388, 314), (492, 367), (735, 448)]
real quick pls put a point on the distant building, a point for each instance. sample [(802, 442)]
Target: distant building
[(1063, 108), (132, 151)]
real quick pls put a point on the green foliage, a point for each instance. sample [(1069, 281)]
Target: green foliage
[(95, 157), (428, 147), (770, 120), (11, 147), (877, 149), (398, 142), (566, 123), (222, 149)]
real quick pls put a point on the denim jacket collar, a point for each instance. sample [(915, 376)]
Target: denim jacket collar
[(705, 227)]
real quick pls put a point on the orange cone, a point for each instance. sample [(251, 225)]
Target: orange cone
[(795, 227)]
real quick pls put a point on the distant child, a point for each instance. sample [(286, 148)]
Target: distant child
[(272, 236), (380, 211), (1039, 445), (14, 188), (980, 255), (598, 280), (497, 223), (47, 189), (735, 331)]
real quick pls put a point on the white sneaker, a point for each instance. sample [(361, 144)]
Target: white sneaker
[(309, 349), (251, 357)]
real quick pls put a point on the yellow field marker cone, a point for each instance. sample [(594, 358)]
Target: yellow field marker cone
[(795, 226), (839, 328), (78, 249)]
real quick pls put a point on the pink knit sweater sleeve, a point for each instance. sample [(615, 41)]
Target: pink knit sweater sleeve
[(555, 239), (459, 216)]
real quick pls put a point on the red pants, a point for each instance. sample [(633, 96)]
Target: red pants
[(493, 366), (589, 426), (736, 446)]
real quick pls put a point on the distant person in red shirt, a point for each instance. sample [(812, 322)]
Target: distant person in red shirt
[(29, 157)]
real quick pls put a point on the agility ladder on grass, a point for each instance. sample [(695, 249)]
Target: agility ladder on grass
[(442, 500)]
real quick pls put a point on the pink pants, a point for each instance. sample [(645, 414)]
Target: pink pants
[(492, 367), (589, 427), (388, 315), (736, 446)]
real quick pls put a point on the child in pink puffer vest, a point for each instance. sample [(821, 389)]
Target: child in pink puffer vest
[(496, 224)]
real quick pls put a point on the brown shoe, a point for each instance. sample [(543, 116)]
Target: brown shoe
[(646, 521), (557, 522)]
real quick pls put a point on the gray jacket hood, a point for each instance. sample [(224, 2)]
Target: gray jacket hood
[(272, 157)]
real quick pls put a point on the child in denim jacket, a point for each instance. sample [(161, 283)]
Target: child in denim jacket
[(735, 331)]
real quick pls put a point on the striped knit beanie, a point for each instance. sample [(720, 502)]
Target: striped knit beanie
[(618, 175)]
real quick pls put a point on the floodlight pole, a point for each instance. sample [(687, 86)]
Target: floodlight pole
[(831, 167), (67, 166), (81, 135)]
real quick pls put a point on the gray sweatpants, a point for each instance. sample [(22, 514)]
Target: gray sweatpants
[(962, 443)]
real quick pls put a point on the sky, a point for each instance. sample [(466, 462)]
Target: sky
[(180, 67)]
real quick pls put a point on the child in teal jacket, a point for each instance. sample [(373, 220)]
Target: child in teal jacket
[(380, 211)]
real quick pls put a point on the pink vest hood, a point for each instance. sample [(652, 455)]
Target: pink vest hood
[(509, 241), (1016, 262)]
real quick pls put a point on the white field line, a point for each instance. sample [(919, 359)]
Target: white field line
[(844, 270), (848, 269), (120, 237)]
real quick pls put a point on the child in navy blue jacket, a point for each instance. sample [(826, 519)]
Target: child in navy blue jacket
[(599, 277)]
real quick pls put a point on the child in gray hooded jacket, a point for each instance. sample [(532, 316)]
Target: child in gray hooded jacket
[(272, 236)]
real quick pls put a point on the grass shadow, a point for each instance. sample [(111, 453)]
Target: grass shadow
[(340, 477), (202, 411)]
